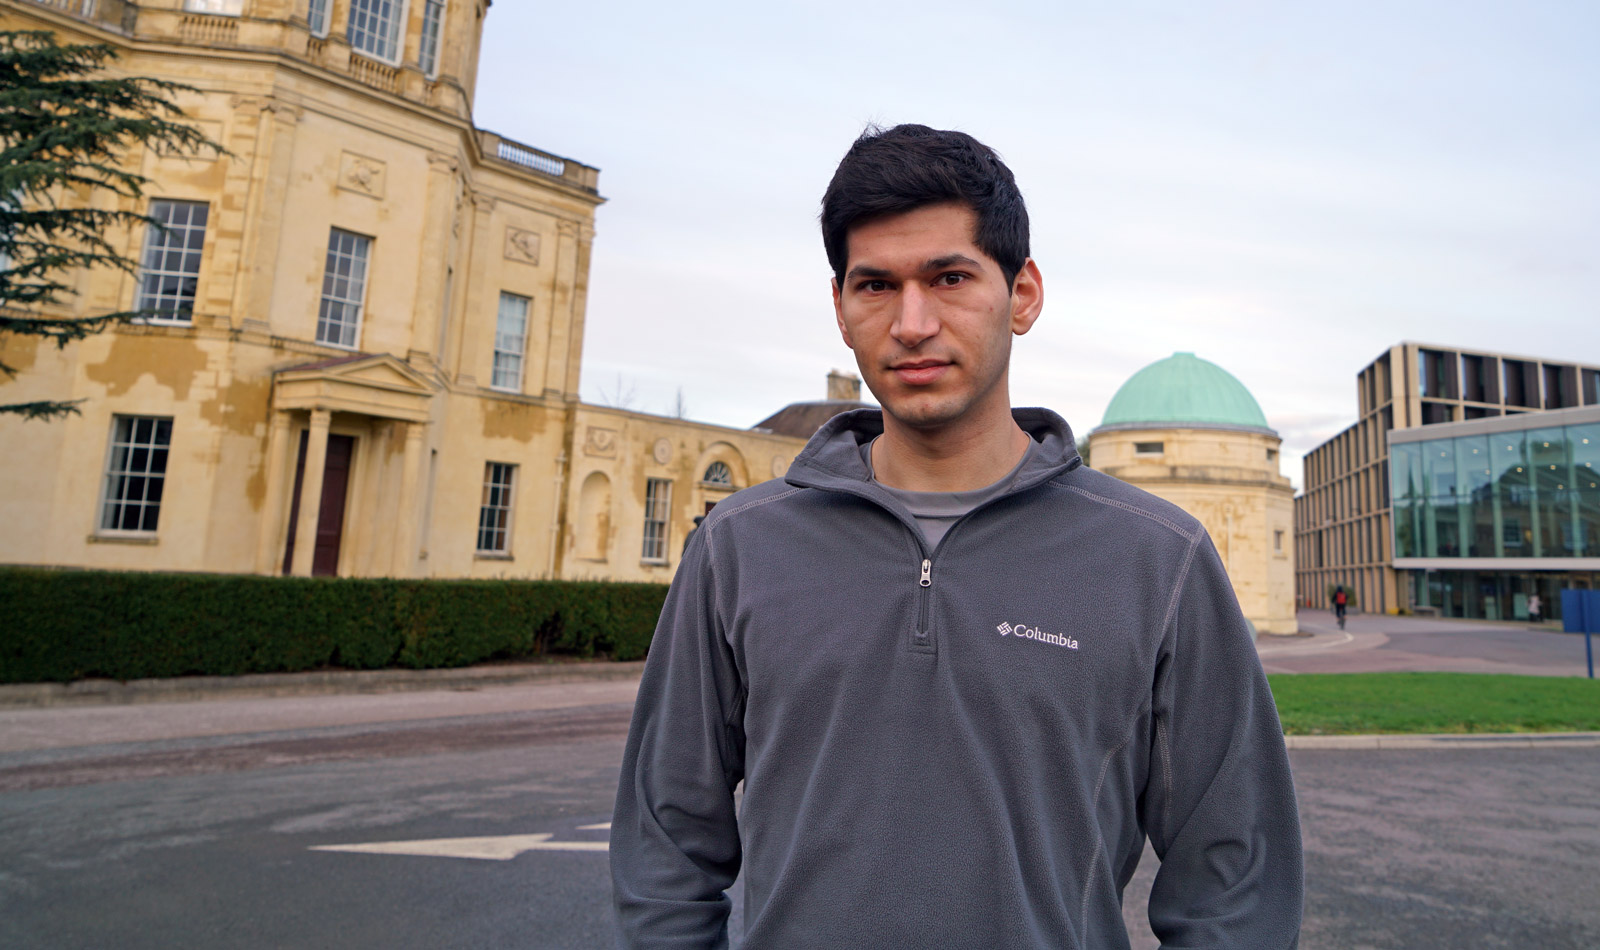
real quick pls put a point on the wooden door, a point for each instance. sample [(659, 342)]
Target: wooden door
[(330, 509), (330, 517)]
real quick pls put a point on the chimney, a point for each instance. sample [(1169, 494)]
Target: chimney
[(844, 387)]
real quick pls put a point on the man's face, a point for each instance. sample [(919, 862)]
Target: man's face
[(930, 316)]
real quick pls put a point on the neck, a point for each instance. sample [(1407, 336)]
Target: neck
[(947, 459)]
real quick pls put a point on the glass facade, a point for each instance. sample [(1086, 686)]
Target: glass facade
[(1533, 493), (1496, 595)]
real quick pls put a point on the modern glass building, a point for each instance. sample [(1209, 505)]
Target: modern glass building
[(1343, 528), (1490, 512)]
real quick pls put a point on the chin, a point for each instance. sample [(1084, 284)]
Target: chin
[(922, 414)]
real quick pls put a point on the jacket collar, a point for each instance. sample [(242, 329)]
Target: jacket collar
[(832, 458)]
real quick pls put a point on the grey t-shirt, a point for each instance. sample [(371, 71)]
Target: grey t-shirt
[(936, 511)]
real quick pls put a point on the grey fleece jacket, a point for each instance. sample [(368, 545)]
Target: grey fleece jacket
[(962, 747)]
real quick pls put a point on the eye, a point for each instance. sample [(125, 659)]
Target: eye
[(950, 279), (873, 286)]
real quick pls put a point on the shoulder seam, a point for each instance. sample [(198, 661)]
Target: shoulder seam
[(1177, 586), (1114, 503), (751, 504)]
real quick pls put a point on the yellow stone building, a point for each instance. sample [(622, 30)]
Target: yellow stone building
[(1186, 430), (371, 319)]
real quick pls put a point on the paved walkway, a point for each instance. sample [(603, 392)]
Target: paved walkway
[(1379, 643)]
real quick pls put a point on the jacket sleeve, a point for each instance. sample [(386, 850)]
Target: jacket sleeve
[(674, 835), (1219, 805)]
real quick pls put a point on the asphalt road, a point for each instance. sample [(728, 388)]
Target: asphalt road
[(205, 839), (1377, 643)]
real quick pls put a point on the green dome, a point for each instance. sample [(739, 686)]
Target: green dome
[(1184, 390)]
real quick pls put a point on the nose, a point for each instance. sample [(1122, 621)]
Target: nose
[(917, 319)]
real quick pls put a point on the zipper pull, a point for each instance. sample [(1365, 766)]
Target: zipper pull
[(927, 573)]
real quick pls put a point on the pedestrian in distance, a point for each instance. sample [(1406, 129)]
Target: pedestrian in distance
[(690, 535), (961, 676), (1535, 609), (1340, 601)]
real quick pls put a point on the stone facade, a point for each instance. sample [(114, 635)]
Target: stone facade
[(375, 367), (1229, 480)]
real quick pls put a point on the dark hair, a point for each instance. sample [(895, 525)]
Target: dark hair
[(893, 171)]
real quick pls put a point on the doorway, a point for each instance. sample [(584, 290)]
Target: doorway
[(330, 510)]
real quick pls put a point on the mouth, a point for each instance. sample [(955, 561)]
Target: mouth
[(919, 372)]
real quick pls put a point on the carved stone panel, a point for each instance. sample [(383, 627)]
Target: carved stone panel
[(362, 175), (600, 442), (522, 245), (662, 451)]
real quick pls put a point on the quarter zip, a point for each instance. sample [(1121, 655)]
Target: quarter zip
[(921, 636)]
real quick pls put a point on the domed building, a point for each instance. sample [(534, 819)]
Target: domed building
[(1186, 430)]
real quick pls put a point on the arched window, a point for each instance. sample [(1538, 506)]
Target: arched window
[(718, 473)]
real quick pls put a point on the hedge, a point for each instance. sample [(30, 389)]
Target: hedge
[(59, 626)]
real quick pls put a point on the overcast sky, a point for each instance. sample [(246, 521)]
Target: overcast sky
[(1284, 189)]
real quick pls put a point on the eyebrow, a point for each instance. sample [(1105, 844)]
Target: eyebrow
[(931, 264)]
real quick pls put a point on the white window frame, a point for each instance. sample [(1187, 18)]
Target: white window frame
[(657, 520), (214, 7), (5, 259), (495, 507), (395, 40), (121, 469), (317, 16), (153, 290), (510, 342), (432, 39), (344, 294)]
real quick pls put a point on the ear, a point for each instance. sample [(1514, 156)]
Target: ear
[(838, 313), (1027, 297)]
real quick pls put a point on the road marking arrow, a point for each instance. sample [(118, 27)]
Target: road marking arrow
[(497, 848)]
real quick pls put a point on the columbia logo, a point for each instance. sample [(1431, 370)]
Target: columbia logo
[(1025, 632)]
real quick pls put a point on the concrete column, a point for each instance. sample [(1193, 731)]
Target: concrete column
[(339, 19), (271, 525), (580, 304), (432, 261), (305, 532), (405, 540), (561, 310), (265, 208), (477, 320)]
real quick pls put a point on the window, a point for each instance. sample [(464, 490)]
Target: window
[(223, 7), (510, 337), (718, 473), (6, 232), (432, 29), (374, 28), (317, 17), (494, 515), (136, 473), (657, 504), (171, 261), (1148, 448), (1277, 541), (344, 286)]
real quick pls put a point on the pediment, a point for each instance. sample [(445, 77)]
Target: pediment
[(378, 369), (368, 384)]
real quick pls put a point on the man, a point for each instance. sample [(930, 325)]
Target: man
[(961, 676)]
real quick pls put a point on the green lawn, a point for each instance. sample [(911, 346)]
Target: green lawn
[(1312, 704)]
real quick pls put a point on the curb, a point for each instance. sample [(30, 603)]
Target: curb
[(100, 692), (1505, 740)]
